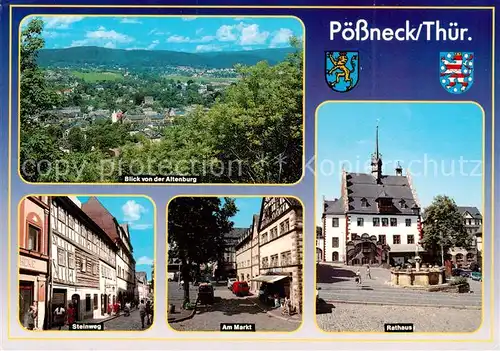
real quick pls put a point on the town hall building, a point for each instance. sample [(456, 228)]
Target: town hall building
[(376, 220)]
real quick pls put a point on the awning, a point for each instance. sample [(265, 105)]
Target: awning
[(405, 248), (269, 278)]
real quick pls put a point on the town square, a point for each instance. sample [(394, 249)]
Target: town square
[(235, 261), (399, 238)]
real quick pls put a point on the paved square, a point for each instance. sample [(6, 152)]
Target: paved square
[(368, 306), (228, 308)]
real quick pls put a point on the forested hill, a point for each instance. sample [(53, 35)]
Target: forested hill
[(98, 56)]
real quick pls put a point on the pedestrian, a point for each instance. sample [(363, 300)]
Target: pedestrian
[(71, 314), (148, 312), (358, 277), (59, 316), (128, 308), (142, 312), (368, 272), (32, 316)]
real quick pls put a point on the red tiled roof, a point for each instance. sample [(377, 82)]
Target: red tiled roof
[(101, 216)]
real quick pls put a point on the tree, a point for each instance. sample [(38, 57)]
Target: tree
[(443, 227), (196, 230), (36, 98), (76, 139)]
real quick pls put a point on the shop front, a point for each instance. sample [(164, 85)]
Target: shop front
[(32, 289)]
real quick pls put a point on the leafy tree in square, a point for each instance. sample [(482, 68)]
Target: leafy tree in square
[(196, 230), (443, 226)]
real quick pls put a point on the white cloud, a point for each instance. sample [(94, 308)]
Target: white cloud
[(188, 18), (63, 22), (198, 31), (251, 35), (52, 35), (178, 39), (128, 20), (208, 47), (157, 32), (243, 34), (144, 261), (153, 45), (110, 45), (281, 37), (204, 39), (103, 37), (140, 226), (247, 48), (226, 33), (132, 211)]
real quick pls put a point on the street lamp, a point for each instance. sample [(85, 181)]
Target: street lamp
[(441, 242)]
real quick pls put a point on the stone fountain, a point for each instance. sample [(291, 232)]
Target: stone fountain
[(418, 277)]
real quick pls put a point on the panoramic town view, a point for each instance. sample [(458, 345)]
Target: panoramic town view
[(150, 99), (86, 263), (235, 264), (399, 238)]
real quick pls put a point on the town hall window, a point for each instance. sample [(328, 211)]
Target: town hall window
[(396, 239), (364, 202), (408, 222), (376, 222), (410, 239), (335, 222), (385, 222), (382, 239), (335, 242), (361, 221), (394, 222)]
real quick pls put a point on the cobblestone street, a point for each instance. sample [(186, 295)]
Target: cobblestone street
[(350, 307), (371, 318), (132, 322), (230, 309)]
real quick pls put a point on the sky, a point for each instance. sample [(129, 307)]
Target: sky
[(247, 207), (441, 145), (188, 34), (138, 212)]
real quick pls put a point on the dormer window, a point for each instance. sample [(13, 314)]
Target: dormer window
[(402, 204), (364, 202)]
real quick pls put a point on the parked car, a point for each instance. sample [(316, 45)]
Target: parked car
[(241, 288), (459, 272), (230, 282), (476, 276), (172, 276)]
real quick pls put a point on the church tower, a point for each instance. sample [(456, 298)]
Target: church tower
[(377, 160)]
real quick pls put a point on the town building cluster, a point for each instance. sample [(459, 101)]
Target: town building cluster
[(74, 253), (377, 220), (270, 251)]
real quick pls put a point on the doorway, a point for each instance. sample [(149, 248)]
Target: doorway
[(76, 305), (26, 298)]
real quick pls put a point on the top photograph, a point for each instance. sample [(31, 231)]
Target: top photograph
[(160, 100)]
